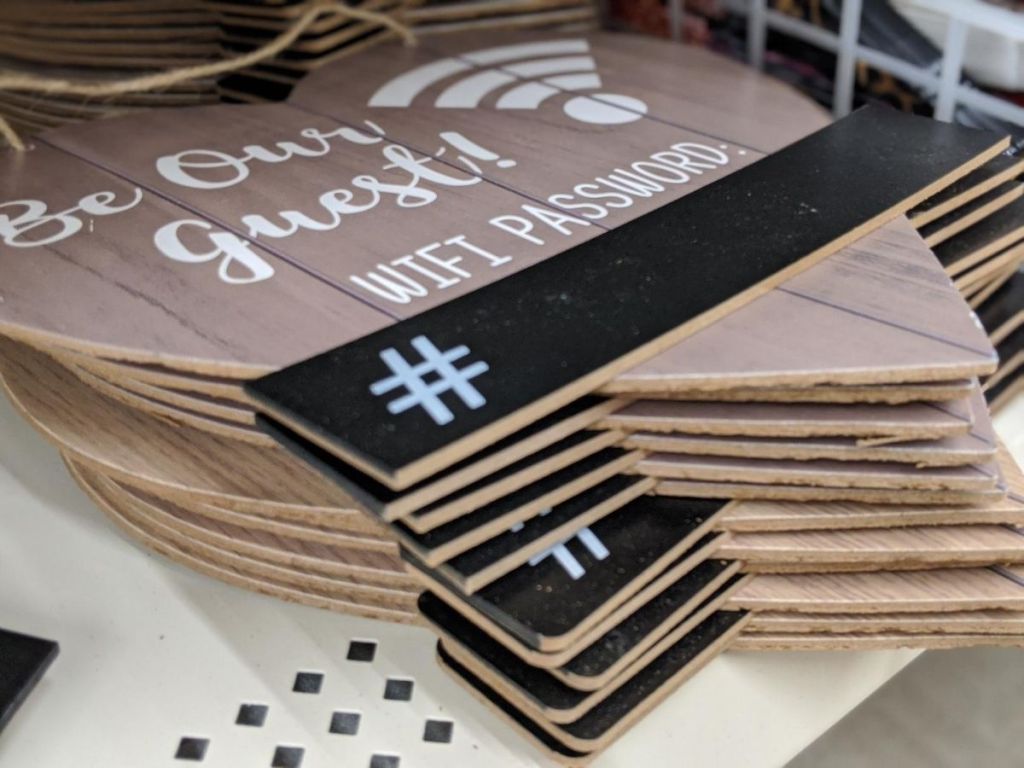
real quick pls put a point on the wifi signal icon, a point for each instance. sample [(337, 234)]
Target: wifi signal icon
[(530, 73)]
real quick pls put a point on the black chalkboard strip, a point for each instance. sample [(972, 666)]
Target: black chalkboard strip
[(611, 717), (23, 661), (462, 534), (517, 455), (616, 649), (655, 626), (1002, 308), (533, 690), (561, 601), (502, 554), (971, 213), (988, 237), (483, 693), (555, 651), (439, 545), (1011, 355), (989, 176), (1005, 389), (536, 469), (405, 402)]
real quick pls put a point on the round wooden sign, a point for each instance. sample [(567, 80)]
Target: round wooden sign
[(232, 240)]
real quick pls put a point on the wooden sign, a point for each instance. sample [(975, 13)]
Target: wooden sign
[(877, 642), (823, 473), (543, 447), (283, 583), (523, 542), (764, 123), (215, 305)]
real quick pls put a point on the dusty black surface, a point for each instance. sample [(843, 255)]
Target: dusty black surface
[(544, 600)]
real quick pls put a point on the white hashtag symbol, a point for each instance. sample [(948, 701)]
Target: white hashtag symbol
[(420, 392), (561, 552)]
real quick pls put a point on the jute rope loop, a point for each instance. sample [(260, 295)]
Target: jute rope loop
[(15, 81)]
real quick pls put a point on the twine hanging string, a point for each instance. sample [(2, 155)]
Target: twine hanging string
[(14, 81)]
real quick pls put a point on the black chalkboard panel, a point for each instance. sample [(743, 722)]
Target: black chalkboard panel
[(543, 692), (23, 660), (441, 543), (517, 718), (490, 560), (551, 604), (519, 452), (609, 718)]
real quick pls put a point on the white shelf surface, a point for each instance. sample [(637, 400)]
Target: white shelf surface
[(151, 652)]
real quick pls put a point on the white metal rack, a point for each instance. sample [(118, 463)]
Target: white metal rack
[(944, 80)]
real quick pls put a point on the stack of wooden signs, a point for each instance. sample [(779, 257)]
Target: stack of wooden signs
[(100, 41), (596, 354), (103, 41)]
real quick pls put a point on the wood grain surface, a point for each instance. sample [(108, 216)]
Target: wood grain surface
[(758, 516), (879, 642), (879, 550), (960, 623), (174, 413), (349, 564), (812, 493), (238, 575), (912, 421), (932, 591), (890, 394), (820, 473), (170, 460), (950, 451)]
